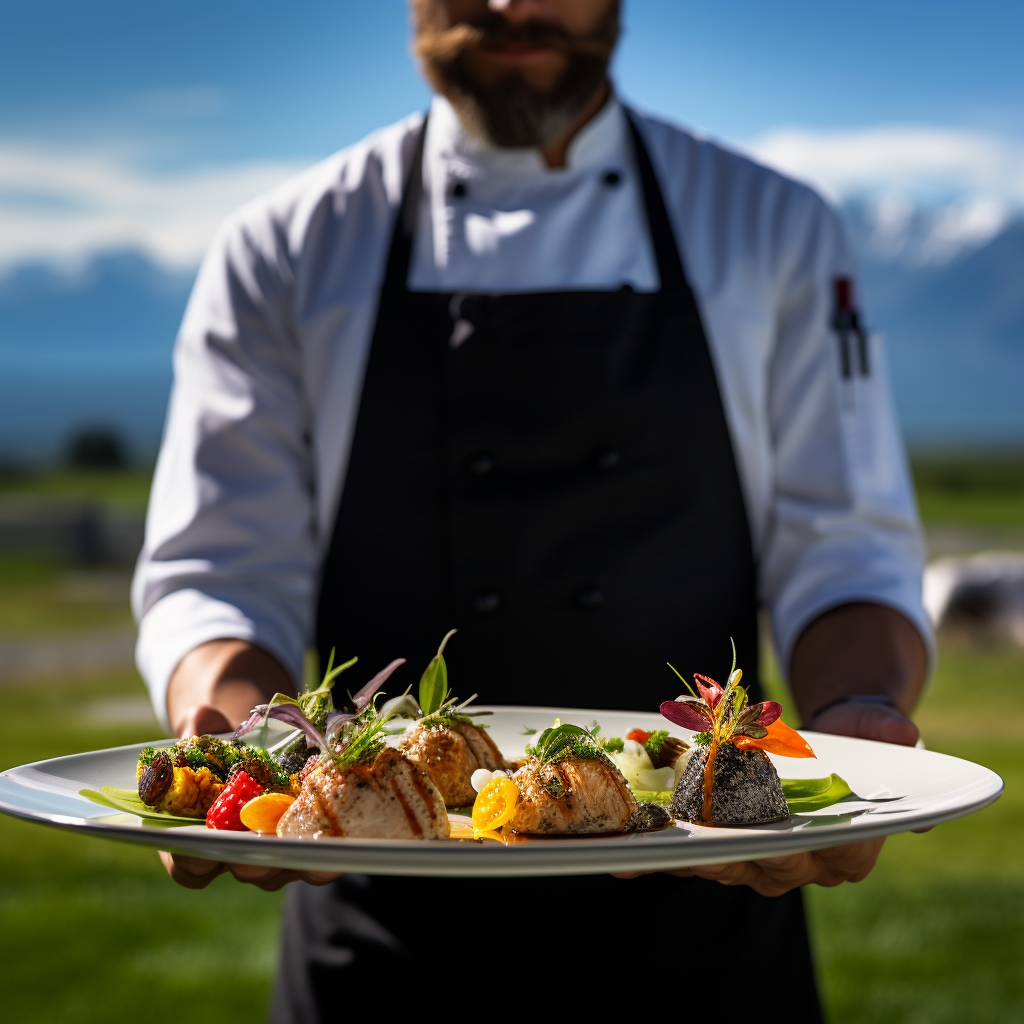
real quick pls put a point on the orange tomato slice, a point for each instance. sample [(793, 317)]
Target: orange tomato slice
[(263, 812), (781, 739), (495, 804)]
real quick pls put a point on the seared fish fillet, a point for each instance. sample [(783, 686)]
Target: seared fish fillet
[(390, 799), (450, 755), (572, 796)]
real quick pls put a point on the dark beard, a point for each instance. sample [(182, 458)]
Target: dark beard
[(510, 113)]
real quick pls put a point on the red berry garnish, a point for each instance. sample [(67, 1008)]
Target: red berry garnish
[(638, 735), (224, 814)]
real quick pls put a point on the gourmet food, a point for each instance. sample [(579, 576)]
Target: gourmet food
[(378, 796), (444, 741), (729, 779), (356, 785), (650, 761), (566, 785), (337, 775), (188, 778)]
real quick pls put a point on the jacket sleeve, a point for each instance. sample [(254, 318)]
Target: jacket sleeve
[(230, 550), (843, 524)]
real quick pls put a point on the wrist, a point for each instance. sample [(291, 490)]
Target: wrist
[(227, 676)]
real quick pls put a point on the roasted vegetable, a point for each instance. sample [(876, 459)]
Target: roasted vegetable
[(224, 814), (188, 793)]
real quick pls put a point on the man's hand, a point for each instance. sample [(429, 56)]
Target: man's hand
[(853, 649), (211, 691), (195, 873)]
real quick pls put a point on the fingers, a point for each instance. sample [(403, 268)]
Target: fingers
[(869, 722), (201, 720), (272, 879), (774, 876), (195, 873), (191, 872)]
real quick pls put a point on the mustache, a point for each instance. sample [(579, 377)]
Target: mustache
[(447, 45)]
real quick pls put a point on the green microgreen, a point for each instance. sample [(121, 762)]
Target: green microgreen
[(560, 741)]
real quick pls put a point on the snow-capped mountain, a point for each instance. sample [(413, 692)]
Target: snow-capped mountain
[(944, 284)]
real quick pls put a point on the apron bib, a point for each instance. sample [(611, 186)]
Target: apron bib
[(553, 474)]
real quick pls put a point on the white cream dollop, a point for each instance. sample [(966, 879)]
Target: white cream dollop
[(482, 776)]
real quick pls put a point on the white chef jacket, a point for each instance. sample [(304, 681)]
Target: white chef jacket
[(270, 358)]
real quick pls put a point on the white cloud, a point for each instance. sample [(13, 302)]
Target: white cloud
[(63, 205), (919, 162), (931, 193)]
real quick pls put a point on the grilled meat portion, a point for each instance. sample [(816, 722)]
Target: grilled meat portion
[(390, 799), (449, 755), (572, 796), (745, 789)]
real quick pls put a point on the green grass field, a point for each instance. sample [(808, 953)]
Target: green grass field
[(94, 931)]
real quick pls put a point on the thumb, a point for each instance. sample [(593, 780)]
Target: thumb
[(202, 719), (868, 722)]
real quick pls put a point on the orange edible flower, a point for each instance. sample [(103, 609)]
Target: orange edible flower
[(781, 739)]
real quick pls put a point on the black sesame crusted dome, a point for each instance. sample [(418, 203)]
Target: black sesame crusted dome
[(746, 788)]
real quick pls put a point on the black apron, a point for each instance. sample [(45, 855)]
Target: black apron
[(553, 474)]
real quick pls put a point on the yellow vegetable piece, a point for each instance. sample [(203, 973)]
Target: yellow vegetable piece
[(263, 812), (495, 804)]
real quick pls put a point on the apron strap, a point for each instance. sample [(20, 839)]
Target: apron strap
[(400, 252), (666, 251)]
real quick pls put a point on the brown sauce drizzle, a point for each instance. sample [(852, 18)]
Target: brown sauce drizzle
[(424, 792), (706, 811), (410, 814), (326, 811)]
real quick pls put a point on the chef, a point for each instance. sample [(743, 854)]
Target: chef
[(590, 388)]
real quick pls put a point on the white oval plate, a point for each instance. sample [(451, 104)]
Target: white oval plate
[(897, 789)]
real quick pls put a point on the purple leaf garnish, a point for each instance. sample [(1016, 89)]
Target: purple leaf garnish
[(363, 697), (690, 714), (290, 714)]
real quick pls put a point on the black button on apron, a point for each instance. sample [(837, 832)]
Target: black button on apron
[(608, 458), (486, 603), (481, 464), (553, 374), (611, 178), (459, 189), (590, 598)]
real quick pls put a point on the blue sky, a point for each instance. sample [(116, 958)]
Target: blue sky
[(142, 123)]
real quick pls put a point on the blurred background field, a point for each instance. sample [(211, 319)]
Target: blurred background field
[(934, 935)]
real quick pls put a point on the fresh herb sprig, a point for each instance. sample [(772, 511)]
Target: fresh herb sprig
[(566, 740), (438, 708)]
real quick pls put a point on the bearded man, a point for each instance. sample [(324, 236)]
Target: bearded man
[(569, 378)]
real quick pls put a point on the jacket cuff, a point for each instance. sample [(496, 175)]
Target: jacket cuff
[(788, 623)]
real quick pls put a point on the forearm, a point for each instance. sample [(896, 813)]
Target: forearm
[(217, 684), (858, 649)]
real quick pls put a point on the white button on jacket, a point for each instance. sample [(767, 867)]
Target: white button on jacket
[(270, 359)]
